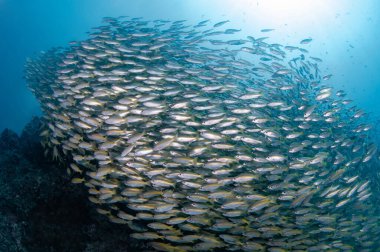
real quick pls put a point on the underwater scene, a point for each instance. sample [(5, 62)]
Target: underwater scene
[(204, 125)]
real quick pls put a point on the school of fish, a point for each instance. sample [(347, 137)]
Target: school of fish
[(198, 142)]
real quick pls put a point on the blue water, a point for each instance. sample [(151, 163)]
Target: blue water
[(345, 35)]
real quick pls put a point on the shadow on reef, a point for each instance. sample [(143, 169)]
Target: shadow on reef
[(41, 210)]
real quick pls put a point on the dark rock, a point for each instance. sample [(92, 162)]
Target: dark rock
[(8, 141), (30, 141), (41, 210), (10, 233)]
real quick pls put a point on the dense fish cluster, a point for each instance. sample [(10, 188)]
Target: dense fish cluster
[(198, 142)]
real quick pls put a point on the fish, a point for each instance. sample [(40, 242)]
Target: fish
[(221, 23), (198, 139), (266, 30), (306, 41)]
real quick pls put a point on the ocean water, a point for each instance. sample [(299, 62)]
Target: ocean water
[(345, 35), (300, 166)]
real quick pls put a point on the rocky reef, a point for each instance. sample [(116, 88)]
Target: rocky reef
[(41, 210)]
